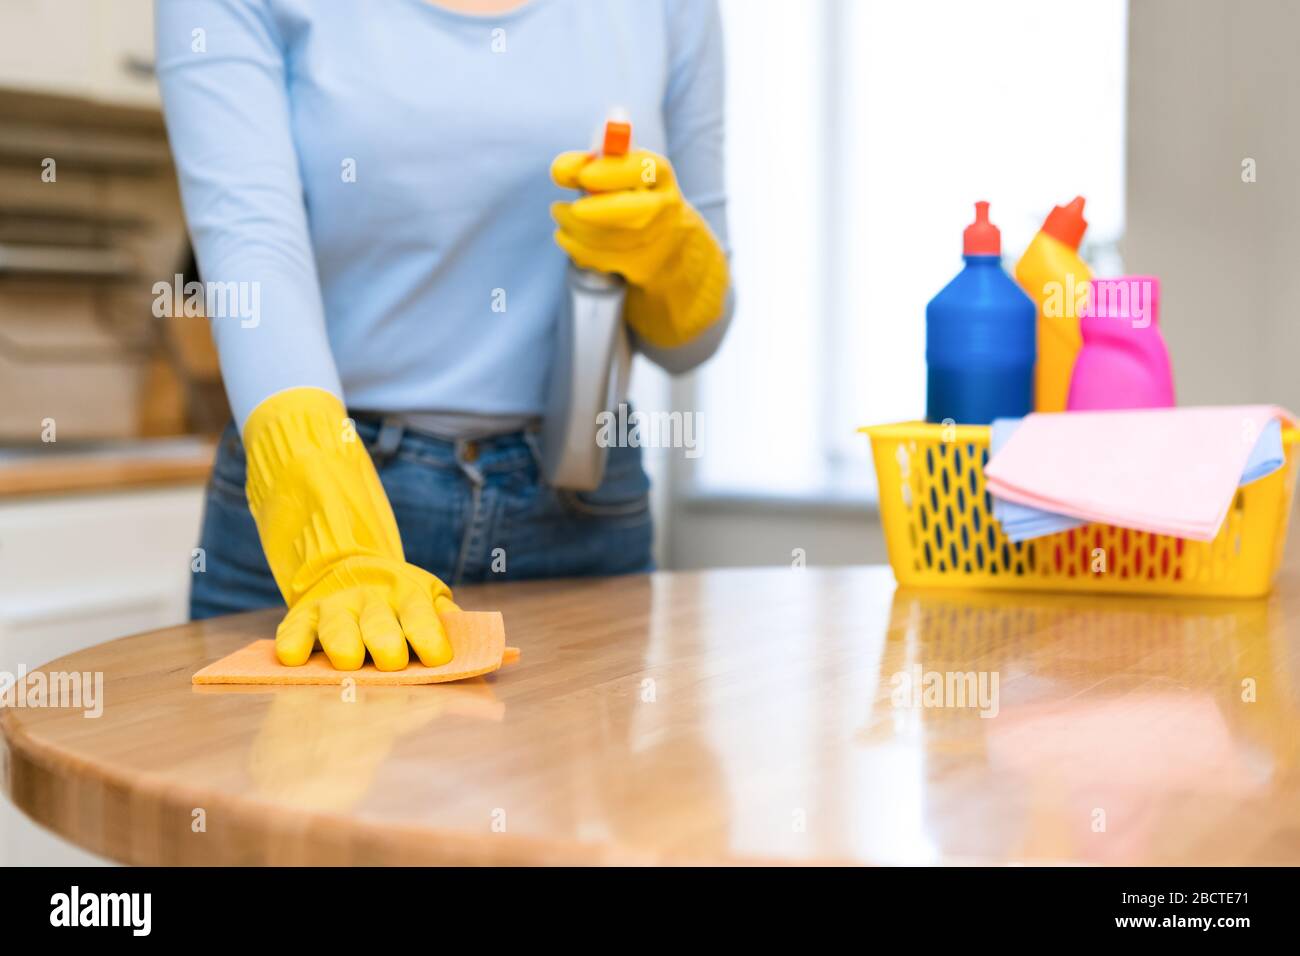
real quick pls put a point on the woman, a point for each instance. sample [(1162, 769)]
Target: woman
[(378, 173)]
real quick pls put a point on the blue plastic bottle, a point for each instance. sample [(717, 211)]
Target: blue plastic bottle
[(980, 337)]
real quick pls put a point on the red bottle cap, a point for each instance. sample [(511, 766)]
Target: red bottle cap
[(1066, 223), (981, 237), (618, 137)]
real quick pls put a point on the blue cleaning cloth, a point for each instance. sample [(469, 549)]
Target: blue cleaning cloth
[(1267, 456), (1021, 523)]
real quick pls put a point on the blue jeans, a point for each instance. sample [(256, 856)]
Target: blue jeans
[(467, 511)]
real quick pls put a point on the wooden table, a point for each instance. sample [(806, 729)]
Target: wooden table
[(756, 715)]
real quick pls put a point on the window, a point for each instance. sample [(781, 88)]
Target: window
[(860, 135)]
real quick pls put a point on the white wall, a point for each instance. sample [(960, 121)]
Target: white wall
[(1212, 83), (756, 533)]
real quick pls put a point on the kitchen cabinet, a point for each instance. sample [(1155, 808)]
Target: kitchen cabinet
[(94, 49), (76, 570)]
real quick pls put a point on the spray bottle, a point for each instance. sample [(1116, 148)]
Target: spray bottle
[(592, 363)]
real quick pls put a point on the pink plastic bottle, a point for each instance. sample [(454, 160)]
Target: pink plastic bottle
[(1123, 362)]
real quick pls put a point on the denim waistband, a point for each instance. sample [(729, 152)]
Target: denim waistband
[(388, 436)]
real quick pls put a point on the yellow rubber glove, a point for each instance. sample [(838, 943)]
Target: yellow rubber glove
[(332, 542), (636, 223)]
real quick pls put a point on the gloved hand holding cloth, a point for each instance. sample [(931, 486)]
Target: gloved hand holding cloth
[(332, 542)]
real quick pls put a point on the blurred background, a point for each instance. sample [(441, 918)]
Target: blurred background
[(860, 134)]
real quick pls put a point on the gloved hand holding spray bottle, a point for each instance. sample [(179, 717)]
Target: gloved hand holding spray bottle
[(635, 226)]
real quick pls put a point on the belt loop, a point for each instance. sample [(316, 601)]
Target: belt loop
[(389, 439), (532, 438)]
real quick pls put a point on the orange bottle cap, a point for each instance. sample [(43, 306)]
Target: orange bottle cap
[(981, 237), (618, 138), (1066, 223)]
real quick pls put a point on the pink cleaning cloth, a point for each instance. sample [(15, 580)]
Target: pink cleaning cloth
[(1169, 471)]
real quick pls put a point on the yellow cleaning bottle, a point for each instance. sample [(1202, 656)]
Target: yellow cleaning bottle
[(1053, 275)]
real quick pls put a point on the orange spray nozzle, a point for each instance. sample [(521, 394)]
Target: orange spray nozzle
[(618, 138)]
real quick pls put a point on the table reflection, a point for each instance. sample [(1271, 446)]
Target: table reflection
[(1087, 721)]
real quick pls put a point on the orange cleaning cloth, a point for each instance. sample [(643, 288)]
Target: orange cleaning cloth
[(477, 637)]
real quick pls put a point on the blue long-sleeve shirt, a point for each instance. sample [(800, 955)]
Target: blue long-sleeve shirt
[(379, 172)]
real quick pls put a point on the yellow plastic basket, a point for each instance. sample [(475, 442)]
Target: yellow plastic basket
[(940, 530)]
